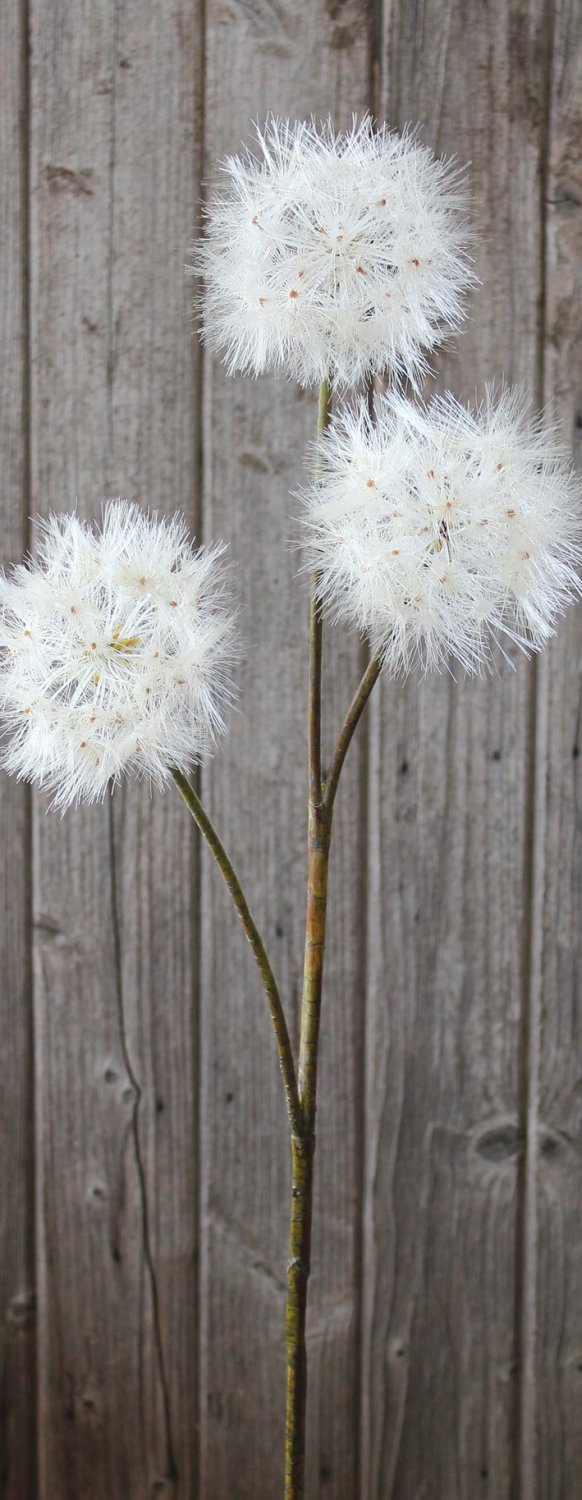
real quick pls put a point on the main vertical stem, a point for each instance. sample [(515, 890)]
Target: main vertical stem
[(316, 635), (303, 1145)]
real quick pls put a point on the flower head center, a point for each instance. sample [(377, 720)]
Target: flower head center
[(125, 644)]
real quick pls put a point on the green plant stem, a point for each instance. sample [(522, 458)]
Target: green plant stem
[(348, 729), (316, 634), (301, 1086), (303, 1143), (302, 1151), (270, 987)]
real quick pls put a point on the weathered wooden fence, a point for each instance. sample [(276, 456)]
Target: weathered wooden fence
[(143, 1156)]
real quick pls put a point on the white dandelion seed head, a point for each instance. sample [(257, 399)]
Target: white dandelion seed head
[(115, 652), (436, 530), (333, 256)]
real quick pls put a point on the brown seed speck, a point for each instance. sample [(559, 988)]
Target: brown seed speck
[(173, 603), (93, 645), (371, 484), (430, 473), (360, 270), (262, 301), (510, 512), (381, 202), (396, 551), (83, 745), (255, 219), (26, 632), (498, 467), (93, 719), (293, 292), (142, 581), (73, 609)]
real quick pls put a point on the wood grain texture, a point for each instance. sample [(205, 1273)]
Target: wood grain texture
[(17, 1304), (136, 1059), (450, 845), (296, 59), (114, 166), (556, 1352)]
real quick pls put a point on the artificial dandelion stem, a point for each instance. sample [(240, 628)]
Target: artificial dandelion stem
[(270, 987), (315, 636), (319, 835), (303, 1145), (297, 1278), (349, 727)]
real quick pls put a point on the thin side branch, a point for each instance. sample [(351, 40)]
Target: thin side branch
[(348, 729), (270, 987), (315, 637)]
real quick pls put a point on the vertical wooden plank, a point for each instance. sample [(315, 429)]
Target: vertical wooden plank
[(556, 1352), (17, 1325), (293, 59), (115, 101), (449, 866)]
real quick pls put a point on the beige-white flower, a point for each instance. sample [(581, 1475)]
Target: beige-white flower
[(333, 256), (116, 648), (436, 530)]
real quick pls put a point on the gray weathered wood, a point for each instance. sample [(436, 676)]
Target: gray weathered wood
[(445, 1333), (114, 153), (17, 1312), (556, 1208), (296, 59), (449, 871)]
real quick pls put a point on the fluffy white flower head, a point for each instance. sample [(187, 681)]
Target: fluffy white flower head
[(435, 529), (115, 652), (333, 256)]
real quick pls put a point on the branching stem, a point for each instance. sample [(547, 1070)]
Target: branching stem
[(301, 1085), (348, 729), (298, 1266), (270, 987)]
